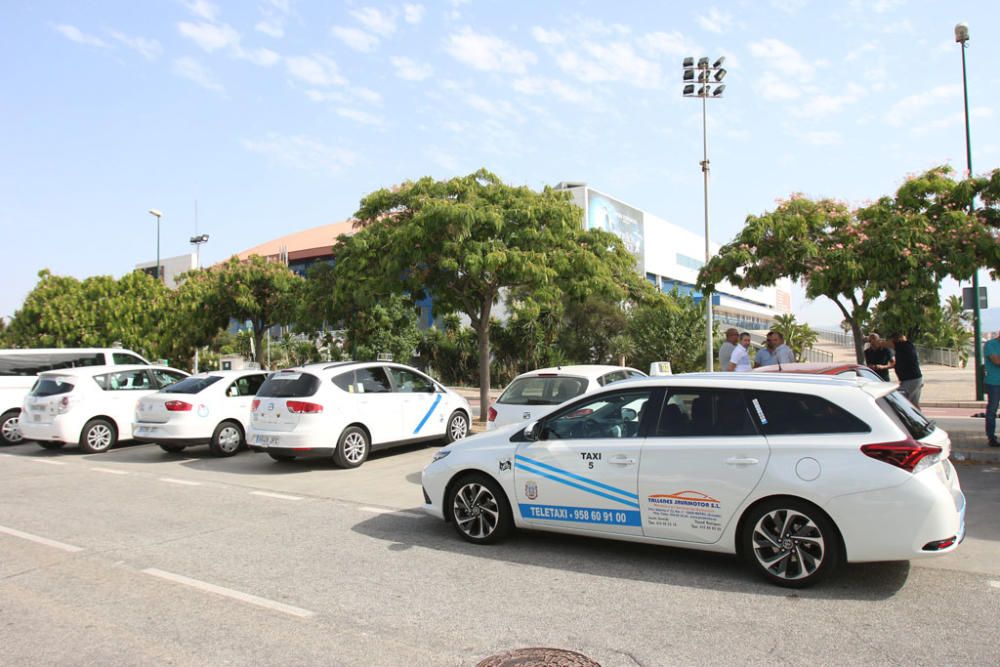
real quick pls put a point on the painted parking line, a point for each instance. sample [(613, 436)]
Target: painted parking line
[(40, 540), (281, 496), (111, 471), (383, 510), (49, 461), (185, 482), (230, 593), (995, 584)]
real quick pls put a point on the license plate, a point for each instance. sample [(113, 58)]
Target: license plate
[(266, 440)]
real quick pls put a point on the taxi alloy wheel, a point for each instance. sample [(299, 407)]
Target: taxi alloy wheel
[(458, 427), (479, 510), (352, 448), (98, 436), (10, 433), (226, 440), (791, 543)]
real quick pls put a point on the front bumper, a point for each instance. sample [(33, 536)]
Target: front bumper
[(58, 430)]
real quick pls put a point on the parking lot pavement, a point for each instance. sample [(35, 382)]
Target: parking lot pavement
[(133, 557)]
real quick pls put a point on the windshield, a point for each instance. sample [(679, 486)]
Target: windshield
[(191, 385), (289, 385), (51, 386), (908, 416), (543, 390)]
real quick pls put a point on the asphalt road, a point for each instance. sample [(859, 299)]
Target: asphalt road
[(138, 557)]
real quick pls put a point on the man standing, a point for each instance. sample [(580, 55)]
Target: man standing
[(879, 357), (911, 380), (991, 362), (727, 347), (740, 359), (776, 352)]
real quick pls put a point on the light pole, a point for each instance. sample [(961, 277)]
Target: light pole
[(962, 37), (707, 79), (157, 214), (197, 242)]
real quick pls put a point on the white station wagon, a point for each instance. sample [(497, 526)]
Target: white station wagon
[(797, 474)]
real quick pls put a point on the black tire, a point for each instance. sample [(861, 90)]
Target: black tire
[(479, 510), (281, 458), (790, 542), (98, 436), (48, 444), (458, 427), (9, 432), (352, 449), (172, 449), (227, 439)]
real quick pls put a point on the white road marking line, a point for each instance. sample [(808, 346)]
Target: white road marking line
[(49, 461), (995, 584), (185, 482), (230, 593), (186, 460), (383, 510), (40, 540), (268, 494), (111, 471)]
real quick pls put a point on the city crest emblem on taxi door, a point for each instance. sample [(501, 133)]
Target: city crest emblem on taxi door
[(531, 490)]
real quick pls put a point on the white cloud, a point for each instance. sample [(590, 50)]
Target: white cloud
[(770, 86), (367, 95), (363, 117), (274, 14), (488, 53), (413, 13), (857, 53), (317, 70), (301, 152), (672, 44), (270, 28), (822, 104), (543, 36), (788, 6), (209, 36), (149, 49), (906, 109), (542, 86), (782, 57), (263, 57), (883, 6), (411, 70), (951, 120), (716, 21), (356, 38), (191, 69), (74, 34), (377, 21), (610, 62), (202, 9), (325, 96)]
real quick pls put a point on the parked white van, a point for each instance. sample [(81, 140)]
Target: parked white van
[(19, 370)]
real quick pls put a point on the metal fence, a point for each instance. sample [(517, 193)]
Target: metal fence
[(835, 337), (941, 356), (809, 355)]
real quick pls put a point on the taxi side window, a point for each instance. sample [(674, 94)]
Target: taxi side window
[(121, 358), (408, 382), (245, 386), (617, 415), (704, 412), (372, 381), (165, 377), (785, 413), (346, 382), (127, 381)]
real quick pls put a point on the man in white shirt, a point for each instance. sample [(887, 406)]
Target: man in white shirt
[(739, 361), (727, 347)]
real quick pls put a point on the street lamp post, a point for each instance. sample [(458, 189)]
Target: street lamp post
[(962, 37), (707, 80), (157, 214), (197, 242)]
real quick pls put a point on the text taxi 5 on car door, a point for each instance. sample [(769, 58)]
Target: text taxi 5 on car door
[(785, 471)]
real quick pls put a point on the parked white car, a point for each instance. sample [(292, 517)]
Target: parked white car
[(20, 368), (795, 473), (534, 394), (93, 406), (211, 409), (347, 409)]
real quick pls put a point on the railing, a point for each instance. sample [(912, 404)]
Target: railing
[(941, 356), (835, 337), (809, 355)]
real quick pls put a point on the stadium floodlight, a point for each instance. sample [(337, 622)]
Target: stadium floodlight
[(689, 90), (703, 62), (718, 90), (718, 63), (689, 75), (720, 74), (689, 62)]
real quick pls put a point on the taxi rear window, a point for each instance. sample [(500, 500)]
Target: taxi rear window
[(191, 385), (52, 386), (289, 385), (543, 390)]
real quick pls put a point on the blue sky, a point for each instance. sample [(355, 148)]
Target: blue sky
[(279, 115)]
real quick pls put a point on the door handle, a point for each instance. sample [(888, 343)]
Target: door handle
[(622, 460), (738, 461)]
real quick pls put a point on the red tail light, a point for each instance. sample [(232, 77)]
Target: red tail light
[(256, 402), (178, 406), (492, 414), (303, 407), (905, 454)]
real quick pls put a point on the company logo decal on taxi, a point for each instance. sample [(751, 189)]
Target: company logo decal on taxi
[(688, 511), (689, 499)]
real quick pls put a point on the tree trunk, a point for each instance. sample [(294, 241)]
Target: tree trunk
[(859, 341), (483, 332)]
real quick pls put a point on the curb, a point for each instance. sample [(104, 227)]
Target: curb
[(975, 455)]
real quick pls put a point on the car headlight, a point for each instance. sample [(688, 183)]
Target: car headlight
[(440, 454)]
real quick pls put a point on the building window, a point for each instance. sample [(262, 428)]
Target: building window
[(689, 262)]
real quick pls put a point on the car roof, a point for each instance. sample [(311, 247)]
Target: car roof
[(808, 367), (589, 371), (230, 373), (50, 350), (760, 381), (86, 371)]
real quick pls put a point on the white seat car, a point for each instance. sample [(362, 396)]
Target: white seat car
[(534, 394), (795, 473), (211, 409), (93, 406), (347, 409)]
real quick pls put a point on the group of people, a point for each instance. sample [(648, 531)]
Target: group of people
[(899, 354), (734, 353)]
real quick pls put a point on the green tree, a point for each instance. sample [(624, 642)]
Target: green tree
[(669, 328), (799, 336), (468, 241)]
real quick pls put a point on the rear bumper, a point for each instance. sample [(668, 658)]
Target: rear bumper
[(288, 443), (168, 434)]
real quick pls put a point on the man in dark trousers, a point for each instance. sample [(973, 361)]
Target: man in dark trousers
[(879, 357), (911, 380)]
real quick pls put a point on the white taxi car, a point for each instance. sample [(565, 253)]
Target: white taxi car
[(92, 405), (534, 394), (211, 409), (347, 409), (795, 473)]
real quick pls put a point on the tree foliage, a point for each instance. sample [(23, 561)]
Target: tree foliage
[(669, 328)]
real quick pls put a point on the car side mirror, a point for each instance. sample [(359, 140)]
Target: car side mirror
[(532, 431)]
